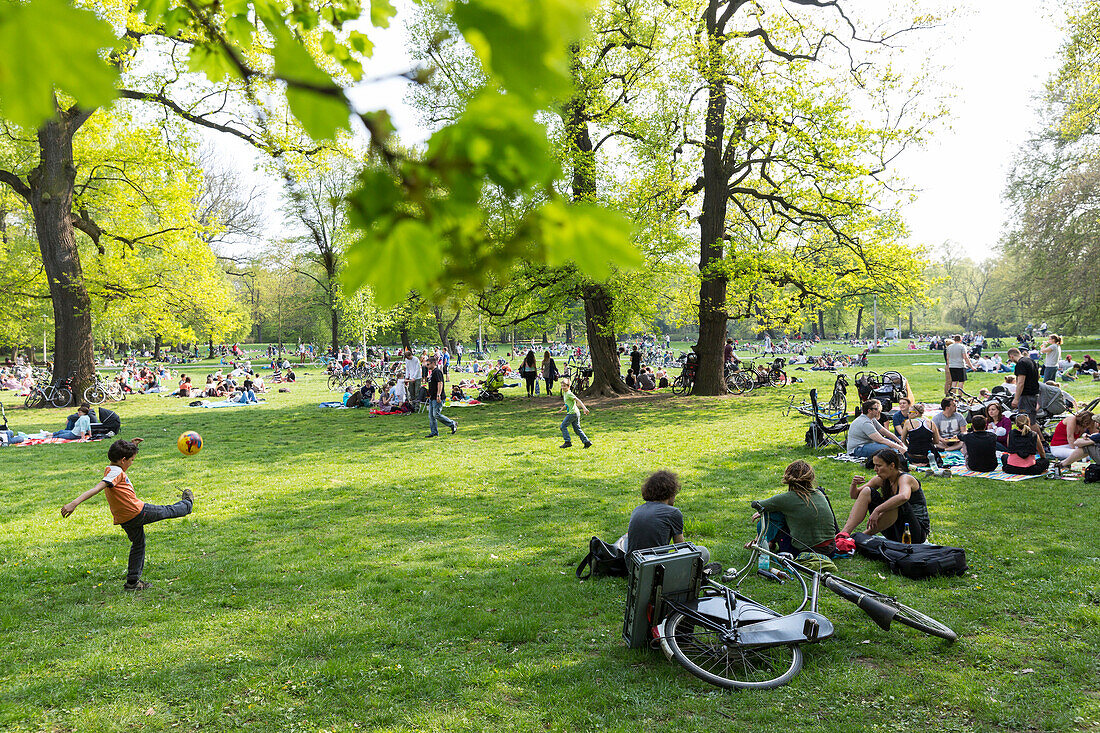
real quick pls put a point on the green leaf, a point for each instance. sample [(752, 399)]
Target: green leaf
[(593, 237), (175, 20), (360, 43), (212, 61), (239, 30), (380, 13), (47, 45), (376, 195), (322, 113), (408, 254), (525, 44)]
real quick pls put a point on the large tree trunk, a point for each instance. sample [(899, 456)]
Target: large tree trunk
[(51, 199), (158, 343), (821, 324), (443, 328), (335, 323), (712, 229), (606, 378)]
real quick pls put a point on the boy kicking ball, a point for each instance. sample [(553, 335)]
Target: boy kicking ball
[(129, 511), (573, 406)]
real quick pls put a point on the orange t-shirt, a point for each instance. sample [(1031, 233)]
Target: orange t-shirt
[(120, 495)]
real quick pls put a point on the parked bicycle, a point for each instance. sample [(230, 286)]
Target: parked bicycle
[(103, 390), (579, 374), (58, 395), (751, 377), (685, 382), (726, 638)]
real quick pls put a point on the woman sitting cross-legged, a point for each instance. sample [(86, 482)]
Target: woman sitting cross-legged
[(1025, 454), (889, 501), (998, 423), (922, 436), (800, 518)]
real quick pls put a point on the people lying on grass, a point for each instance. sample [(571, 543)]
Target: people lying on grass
[(980, 446), (867, 436), (890, 500), (799, 519), (657, 522), (247, 394), (922, 438), (1026, 454), (900, 415), (1068, 431), (10, 382), (81, 426), (950, 424)]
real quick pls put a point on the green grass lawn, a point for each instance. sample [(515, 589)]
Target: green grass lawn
[(341, 573)]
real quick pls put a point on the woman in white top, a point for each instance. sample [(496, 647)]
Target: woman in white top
[(1052, 351)]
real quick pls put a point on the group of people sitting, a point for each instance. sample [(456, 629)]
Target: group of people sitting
[(800, 518), (989, 440)]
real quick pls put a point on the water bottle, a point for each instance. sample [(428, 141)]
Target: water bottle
[(763, 562), (906, 535)]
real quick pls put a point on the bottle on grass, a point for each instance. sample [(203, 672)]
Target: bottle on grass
[(906, 535)]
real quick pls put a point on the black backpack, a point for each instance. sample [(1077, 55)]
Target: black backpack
[(913, 561), (602, 559), (1092, 473)]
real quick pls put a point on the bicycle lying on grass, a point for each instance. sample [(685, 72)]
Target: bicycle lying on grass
[(732, 641)]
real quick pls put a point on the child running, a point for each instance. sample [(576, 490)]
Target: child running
[(573, 406), (129, 511)]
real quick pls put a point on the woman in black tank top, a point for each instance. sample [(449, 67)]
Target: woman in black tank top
[(922, 436), (889, 501)]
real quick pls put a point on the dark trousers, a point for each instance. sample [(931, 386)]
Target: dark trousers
[(1040, 467), (135, 530)]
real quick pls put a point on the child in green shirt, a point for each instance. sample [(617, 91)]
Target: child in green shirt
[(573, 406)]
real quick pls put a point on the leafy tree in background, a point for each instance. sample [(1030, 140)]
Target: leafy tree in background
[(409, 210)]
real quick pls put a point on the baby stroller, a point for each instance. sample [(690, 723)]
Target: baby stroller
[(109, 425), (490, 392)]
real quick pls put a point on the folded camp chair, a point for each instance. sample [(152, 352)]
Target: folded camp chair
[(821, 435)]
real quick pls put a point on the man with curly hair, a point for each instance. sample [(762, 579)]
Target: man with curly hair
[(657, 522)]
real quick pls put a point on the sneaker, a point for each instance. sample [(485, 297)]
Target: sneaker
[(432, 435), (588, 444), (188, 495), (454, 428), (566, 445), (140, 585)]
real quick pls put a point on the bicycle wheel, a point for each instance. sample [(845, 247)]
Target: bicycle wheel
[(35, 399), (778, 378), (702, 652), (335, 382), (742, 383), (903, 614), (680, 385), (95, 394), (61, 397)]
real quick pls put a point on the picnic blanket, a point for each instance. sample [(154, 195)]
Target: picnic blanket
[(391, 412), (951, 458), (468, 402), (49, 441), (997, 475)]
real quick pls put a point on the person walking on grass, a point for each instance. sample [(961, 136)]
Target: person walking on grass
[(435, 400), (573, 406), (129, 511)]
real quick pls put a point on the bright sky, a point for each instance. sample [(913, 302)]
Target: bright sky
[(996, 55), (1003, 52)]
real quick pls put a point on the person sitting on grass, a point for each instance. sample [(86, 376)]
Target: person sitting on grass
[(657, 522), (950, 424), (998, 423), (900, 415), (799, 519), (867, 436), (129, 511), (1026, 454), (647, 380), (923, 438), (81, 426), (1085, 447), (889, 501), (631, 380), (1067, 433), (980, 446)]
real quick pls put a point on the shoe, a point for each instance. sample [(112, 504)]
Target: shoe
[(454, 428), (140, 585), (588, 444), (946, 472), (566, 445), (188, 495), (432, 435)]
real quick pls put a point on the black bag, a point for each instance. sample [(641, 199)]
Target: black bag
[(913, 561), (602, 559), (1092, 473)]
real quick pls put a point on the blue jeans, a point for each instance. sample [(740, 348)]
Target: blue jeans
[(247, 396), (135, 530), (435, 412), (575, 420), (867, 450), (1049, 373), (67, 434)]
